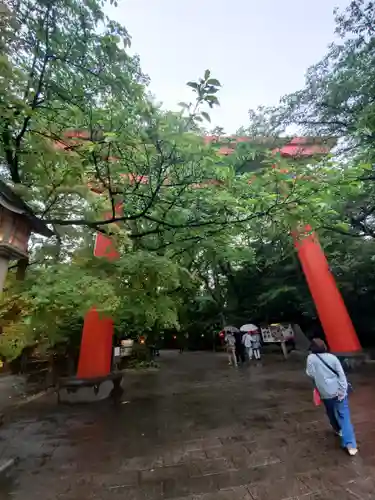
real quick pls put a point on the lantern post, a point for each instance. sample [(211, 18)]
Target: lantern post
[(17, 222)]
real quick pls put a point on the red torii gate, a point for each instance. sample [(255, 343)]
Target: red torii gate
[(96, 344), (332, 312)]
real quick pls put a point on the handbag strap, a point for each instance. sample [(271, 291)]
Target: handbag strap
[(328, 366)]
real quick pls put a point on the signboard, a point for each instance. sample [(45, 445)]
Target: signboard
[(126, 348), (277, 333)]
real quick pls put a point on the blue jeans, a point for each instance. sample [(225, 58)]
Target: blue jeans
[(338, 413)]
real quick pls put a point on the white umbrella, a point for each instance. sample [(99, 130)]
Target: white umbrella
[(249, 328), (230, 329)]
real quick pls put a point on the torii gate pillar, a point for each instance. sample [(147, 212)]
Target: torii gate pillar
[(332, 312), (95, 355)]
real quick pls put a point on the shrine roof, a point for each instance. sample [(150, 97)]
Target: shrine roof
[(286, 146), (12, 202)]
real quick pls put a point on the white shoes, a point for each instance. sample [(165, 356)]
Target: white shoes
[(352, 451)]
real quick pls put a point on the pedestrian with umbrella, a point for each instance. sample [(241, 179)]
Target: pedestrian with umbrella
[(239, 347), (251, 340), (230, 343)]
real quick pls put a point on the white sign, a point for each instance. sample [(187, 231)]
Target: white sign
[(277, 333), (126, 348)]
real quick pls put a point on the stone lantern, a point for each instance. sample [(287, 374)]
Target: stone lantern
[(17, 222)]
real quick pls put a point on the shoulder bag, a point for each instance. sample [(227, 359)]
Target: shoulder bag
[(350, 387)]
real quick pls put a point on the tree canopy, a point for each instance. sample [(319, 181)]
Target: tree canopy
[(203, 237)]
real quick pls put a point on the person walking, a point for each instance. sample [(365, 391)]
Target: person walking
[(256, 344), (240, 348), (230, 343), (183, 342), (330, 381), (247, 342)]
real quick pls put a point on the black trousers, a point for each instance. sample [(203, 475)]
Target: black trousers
[(240, 353)]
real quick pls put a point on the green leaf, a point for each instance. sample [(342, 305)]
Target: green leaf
[(211, 98), (214, 82), (193, 85), (207, 74), (212, 90), (206, 116)]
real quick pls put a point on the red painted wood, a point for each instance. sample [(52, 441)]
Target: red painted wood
[(96, 346), (334, 317), (332, 312), (104, 245)]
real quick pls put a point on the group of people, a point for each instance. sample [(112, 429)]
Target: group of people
[(242, 346)]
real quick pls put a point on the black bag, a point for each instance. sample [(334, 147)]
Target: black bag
[(350, 387)]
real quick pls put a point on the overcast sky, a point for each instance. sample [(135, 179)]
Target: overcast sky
[(258, 49)]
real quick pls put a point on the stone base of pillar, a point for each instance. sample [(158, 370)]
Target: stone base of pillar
[(77, 391), (351, 361)]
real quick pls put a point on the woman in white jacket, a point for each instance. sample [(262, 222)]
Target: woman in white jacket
[(246, 340)]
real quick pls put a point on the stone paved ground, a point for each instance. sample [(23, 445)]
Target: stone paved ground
[(13, 389), (197, 429)]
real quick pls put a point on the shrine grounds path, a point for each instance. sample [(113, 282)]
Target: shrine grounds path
[(195, 430)]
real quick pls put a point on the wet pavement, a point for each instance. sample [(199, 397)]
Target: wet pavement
[(195, 430), (13, 389)]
